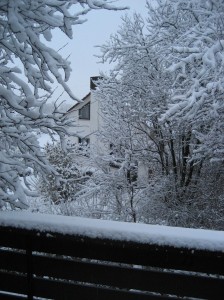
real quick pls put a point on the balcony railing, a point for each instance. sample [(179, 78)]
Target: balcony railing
[(40, 262)]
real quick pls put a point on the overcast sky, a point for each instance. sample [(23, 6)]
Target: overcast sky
[(97, 30)]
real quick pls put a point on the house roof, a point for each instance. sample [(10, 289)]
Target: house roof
[(93, 80), (77, 104)]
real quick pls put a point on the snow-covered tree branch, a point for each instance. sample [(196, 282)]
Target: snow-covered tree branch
[(28, 67), (167, 86)]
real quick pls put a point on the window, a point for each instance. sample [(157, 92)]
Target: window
[(84, 146), (83, 141), (84, 112)]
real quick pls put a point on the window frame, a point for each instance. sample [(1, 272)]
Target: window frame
[(86, 113)]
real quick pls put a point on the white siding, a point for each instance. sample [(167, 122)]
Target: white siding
[(88, 128)]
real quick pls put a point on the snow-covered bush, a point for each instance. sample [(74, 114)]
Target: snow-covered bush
[(63, 186)]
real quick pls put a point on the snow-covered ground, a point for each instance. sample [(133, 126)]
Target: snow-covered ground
[(161, 235)]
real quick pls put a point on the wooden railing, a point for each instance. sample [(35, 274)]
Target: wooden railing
[(56, 266)]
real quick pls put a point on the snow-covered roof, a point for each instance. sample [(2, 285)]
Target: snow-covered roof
[(143, 233)]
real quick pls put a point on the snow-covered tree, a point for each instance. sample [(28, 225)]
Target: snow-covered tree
[(190, 37), (28, 67), (167, 88)]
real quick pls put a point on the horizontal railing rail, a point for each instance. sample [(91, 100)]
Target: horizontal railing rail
[(54, 265)]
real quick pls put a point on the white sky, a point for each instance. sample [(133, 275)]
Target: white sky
[(97, 30)]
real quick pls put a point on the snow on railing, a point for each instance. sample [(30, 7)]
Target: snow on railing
[(123, 231), (58, 257)]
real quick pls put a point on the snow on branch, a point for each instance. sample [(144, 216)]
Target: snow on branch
[(28, 67)]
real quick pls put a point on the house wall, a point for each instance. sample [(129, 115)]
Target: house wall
[(88, 128)]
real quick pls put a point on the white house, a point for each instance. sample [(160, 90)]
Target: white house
[(88, 119)]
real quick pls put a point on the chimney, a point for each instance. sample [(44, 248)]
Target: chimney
[(93, 80)]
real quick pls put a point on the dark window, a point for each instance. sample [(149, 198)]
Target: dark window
[(84, 112), (84, 141)]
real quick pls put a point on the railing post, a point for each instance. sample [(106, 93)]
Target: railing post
[(29, 268)]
